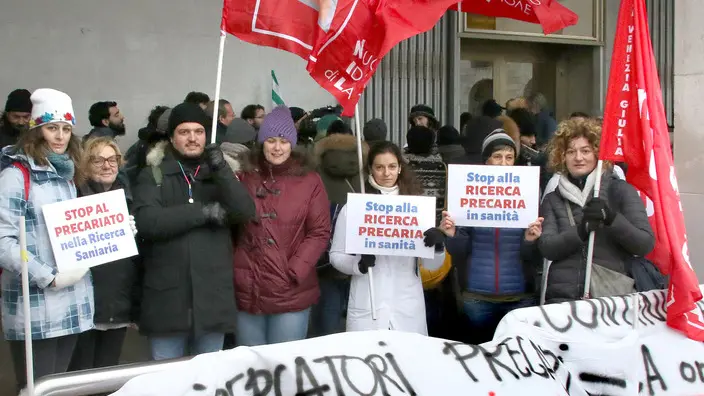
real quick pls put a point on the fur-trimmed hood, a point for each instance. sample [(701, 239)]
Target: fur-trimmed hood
[(336, 155)]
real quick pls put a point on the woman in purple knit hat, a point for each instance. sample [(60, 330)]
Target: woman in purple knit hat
[(276, 253)]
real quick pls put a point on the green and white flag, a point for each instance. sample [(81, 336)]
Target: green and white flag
[(276, 91)]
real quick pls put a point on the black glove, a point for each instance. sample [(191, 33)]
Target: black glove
[(366, 262), (434, 237), (214, 213), (214, 157), (586, 227), (597, 210)]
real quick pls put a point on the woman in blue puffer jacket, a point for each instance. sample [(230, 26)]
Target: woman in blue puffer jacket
[(499, 275)]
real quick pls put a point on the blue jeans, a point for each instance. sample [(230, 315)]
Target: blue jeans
[(180, 345), (484, 316), (327, 314), (253, 330)]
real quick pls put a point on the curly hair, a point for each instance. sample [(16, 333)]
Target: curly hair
[(567, 131), (408, 183)]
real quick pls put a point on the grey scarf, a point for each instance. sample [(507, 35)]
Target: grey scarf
[(573, 194)]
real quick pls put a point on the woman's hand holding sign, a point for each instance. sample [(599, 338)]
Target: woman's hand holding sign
[(447, 225), (534, 230)]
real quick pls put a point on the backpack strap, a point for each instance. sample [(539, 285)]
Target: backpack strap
[(158, 176), (25, 176)]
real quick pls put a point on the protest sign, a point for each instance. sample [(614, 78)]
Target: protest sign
[(389, 225), (580, 348), (90, 231), (493, 196)]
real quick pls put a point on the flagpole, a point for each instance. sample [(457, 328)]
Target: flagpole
[(590, 246), (29, 355), (218, 83), (360, 159)]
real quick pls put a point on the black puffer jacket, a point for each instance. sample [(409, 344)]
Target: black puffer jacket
[(114, 284), (630, 234), (187, 262)]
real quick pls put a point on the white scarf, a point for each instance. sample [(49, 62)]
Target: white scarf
[(383, 190), (572, 193)]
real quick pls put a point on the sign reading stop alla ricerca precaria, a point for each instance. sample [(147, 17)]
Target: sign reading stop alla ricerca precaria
[(389, 225), (90, 231), (493, 196)]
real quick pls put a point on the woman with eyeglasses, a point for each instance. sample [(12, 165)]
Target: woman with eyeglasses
[(42, 168), (276, 253), (114, 284)]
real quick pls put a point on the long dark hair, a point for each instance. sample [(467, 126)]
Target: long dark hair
[(408, 183), (33, 144)]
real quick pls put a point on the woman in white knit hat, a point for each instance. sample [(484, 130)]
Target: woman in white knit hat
[(41, 169)]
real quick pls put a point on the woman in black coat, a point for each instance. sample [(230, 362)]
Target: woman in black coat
[(114, 284)]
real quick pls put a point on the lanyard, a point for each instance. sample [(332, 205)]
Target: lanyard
[(190, 188)]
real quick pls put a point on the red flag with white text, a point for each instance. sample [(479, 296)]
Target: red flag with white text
[(635, 131), (550, 14)]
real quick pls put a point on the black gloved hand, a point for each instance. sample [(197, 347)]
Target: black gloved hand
[(586, 227), (434, 237), (214, 213), (367, 261), (214, 157), (597, 210)]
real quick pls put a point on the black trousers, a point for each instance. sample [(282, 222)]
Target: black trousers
[(96, 348), (51, 356)]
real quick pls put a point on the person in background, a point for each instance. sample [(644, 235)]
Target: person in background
[(106, 120), (254, 115), (132, 154), (277, 252), (464, 119), (545, 123), (529, 154), (511, 129), (579, 114), (429, 168), (398, 289), (449, 145), (185, 203), (225, 117), (375, 130), (476, 130), (499, 274), (516, 103), (62, 302), (15, 118), (423, 115), (323, 124), (339, 127), (114, 284), (492, 109), (617, 216), (339, 168), (197, 98)]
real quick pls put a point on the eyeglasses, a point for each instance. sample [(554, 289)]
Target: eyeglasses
[(100, 161)]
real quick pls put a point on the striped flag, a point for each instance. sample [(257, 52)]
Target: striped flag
[(276, 91)]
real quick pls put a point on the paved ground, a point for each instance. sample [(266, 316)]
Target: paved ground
[(135, 350)]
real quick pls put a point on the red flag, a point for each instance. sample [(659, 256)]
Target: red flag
[(635, 131), (290, 25), (550, 14), (361, 34)]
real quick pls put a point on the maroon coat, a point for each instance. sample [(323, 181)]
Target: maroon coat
[(276, 254)]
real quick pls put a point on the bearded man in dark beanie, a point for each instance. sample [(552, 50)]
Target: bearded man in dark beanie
[(15, 118), (186, 201)]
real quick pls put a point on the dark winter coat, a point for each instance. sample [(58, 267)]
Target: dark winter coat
[(114, 284), (100, 132), (451, 153), (8, 135), (338, 166), (187, 262), (276, 254), (630, 234)]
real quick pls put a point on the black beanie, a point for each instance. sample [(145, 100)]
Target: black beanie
[(297, 113), (496, 139), (375, 130), (187, 112), (525, 120), (420, 140), (426, 111), (492, 109), (18, 100), (448, 135)]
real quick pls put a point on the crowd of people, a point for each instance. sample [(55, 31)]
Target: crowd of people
[(242, 242)]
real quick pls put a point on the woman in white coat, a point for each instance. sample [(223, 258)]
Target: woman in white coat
[(398, 289)]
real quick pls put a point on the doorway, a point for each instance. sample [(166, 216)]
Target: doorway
[(502, 70)]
